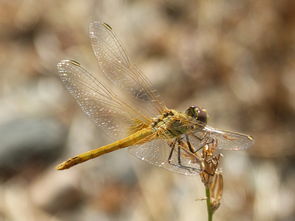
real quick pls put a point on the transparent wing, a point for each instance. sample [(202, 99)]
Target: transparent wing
[(226, 140), (117, 68), (101, 104), (157, 152)]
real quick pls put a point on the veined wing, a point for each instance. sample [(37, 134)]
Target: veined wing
[(115, 64), (226, 140), (184, 154), (157, 152), (105, 107)]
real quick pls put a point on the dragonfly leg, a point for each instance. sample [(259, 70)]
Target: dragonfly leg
[(179, 163), (191, 147), (202, 137), (189, 144), (178, 153), (172, 145), (204, 140)]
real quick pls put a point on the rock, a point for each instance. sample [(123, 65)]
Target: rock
[(29, 143)]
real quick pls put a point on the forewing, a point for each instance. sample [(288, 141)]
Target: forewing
[(226, 140), (99, 103), (115, 65), (157, 153)]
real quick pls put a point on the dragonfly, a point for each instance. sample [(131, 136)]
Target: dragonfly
[(120, 94)]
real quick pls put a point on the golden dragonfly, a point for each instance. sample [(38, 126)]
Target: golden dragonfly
[(121, 93)]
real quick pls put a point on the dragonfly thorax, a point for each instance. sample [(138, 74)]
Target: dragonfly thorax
[(172, 124)]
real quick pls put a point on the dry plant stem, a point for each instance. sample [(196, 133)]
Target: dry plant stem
[(209, 205)]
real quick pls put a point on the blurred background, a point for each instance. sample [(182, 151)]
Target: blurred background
[(234, 58)]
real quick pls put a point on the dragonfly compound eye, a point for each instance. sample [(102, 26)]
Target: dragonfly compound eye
[(192, 111), (197, 113), (202, 116)]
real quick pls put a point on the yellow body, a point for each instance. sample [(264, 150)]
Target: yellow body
[(168, 125), (139, 137)]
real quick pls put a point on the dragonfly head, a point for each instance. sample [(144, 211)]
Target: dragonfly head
[(198, 114)]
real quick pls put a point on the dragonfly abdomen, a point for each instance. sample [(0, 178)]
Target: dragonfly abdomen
[(139, 137)]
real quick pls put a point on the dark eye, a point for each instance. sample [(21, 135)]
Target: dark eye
[(197, 113), (202, 116), (192, 111)]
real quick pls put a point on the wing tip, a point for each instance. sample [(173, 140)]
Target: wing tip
[(251, 138), (65, 63), (251, 141), (107, 26), (93, 27)]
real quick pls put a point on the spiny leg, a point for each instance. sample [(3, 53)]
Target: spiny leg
[(190, 146), (201, 138), (204, 140), (178, 153), (172, 145), (179, 143), (180, 165)]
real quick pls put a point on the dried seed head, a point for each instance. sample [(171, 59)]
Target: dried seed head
[(211, 174), (216, 190), (210, 162)]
